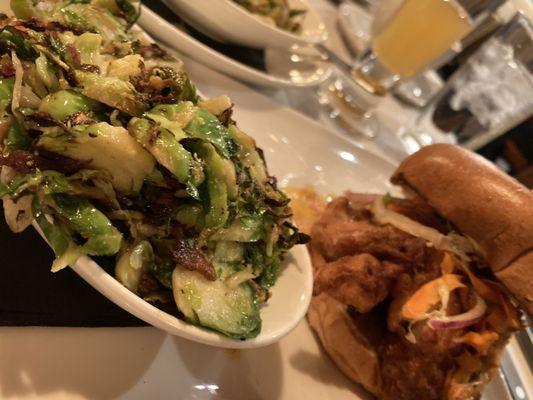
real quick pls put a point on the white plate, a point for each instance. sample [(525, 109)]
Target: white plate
[(315, 72), (226, 21), (146, 363), (141, 363)]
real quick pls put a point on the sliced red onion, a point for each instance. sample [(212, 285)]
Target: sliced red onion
[(461, 320)]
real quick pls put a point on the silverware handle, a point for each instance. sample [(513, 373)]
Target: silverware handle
[(515, 385)]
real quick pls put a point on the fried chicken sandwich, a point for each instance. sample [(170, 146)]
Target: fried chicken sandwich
[(416, 297)]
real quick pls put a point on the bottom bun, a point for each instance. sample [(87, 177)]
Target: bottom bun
[(338, 335), (518, 278)]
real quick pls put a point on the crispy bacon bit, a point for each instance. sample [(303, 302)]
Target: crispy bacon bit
[(79, 118), (33, 24), (25, 162), (63, 164), (157, 99), (21, 161), (157, 204), (90, 68), (193, 259), (41, 26), (61, 27), (42, 119), (147, 284), (225, 116), (151, 51), (6, 67), (74, 54), (70, 77)]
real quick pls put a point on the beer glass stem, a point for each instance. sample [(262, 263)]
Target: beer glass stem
[(372, 75)]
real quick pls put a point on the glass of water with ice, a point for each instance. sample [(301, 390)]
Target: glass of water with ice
[(491, 92)]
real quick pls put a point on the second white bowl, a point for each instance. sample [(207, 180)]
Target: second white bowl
[(228, 22)]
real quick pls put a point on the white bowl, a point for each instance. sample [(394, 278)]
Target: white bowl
[(290, 299), (300, 73), (287, 306), (228, 22), (284, 310)]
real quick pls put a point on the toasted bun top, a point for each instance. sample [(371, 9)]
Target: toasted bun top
[(483, 202)]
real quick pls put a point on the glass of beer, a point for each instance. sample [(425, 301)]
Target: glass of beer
[(414, 37)]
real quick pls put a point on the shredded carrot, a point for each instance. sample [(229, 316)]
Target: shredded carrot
[(429, 295), (508, 309), (481, 288), (501, 317), (506, 315), (21, 28), (480, 341), (448, 263)]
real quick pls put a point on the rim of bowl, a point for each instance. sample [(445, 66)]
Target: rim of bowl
[(313, 39), (267, 79), (105, 283)]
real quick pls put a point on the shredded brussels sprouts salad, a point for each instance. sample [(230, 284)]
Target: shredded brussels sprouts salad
[(276, 12), (106, 145)]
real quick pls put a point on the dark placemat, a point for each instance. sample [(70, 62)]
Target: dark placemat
[(31, 295), (254, 58)]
